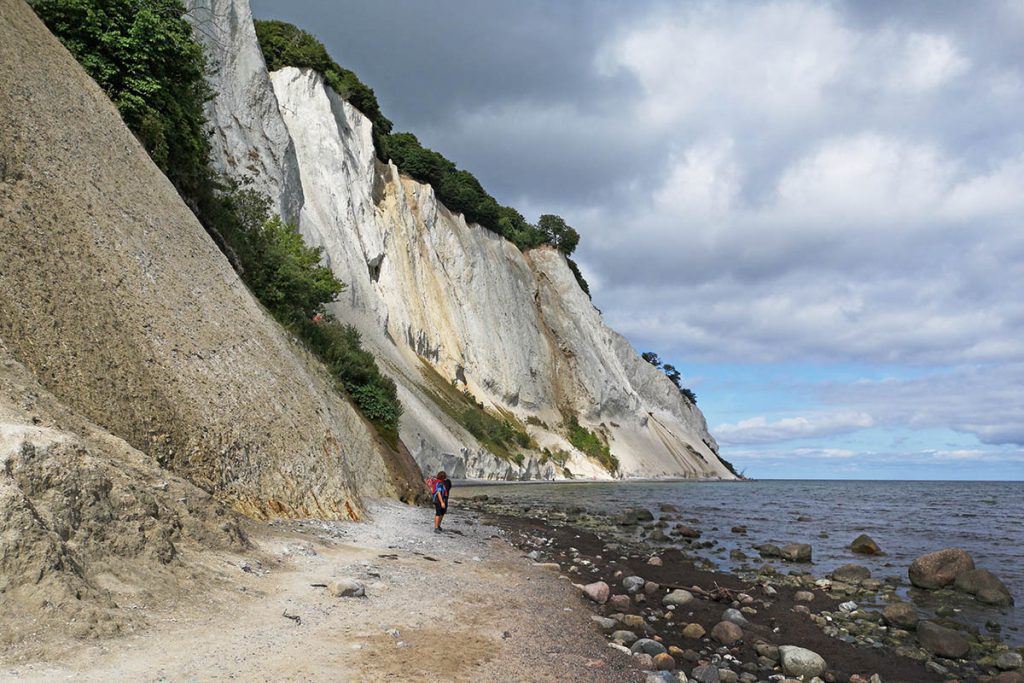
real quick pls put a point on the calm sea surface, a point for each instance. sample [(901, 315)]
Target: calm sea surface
[(906, 518)]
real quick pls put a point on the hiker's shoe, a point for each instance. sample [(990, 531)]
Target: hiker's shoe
[(437, 529)]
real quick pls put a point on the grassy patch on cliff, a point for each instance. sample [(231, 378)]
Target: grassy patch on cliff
[(590, 444), (501, 434)]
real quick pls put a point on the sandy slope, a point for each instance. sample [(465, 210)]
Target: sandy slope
[(465, 605)]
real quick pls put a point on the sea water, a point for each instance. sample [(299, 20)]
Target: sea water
[(906, 518)]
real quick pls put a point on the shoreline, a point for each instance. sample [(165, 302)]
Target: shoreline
[(774, 612), (497, 597)]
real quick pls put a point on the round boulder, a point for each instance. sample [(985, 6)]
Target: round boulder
[(865, 545), (694, 631), (664, 662), (939, 569), (624, 637), (727, 633), (619, 602), (597, 591), (985, 586), (632, 584), (649, 647), (851, 573), (678, 597), (798, 661), (942, 641), (901, 615), (796, 552)]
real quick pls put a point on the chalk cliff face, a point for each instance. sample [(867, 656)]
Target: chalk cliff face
[(443, 302), (115, 299)]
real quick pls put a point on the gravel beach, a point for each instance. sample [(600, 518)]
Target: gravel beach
[(458, 606)]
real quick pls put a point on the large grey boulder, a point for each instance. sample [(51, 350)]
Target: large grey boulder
[(648, 646), (796, 552), (942, 641), (985, 586), (851, 573), (940, 569), (798, 661)]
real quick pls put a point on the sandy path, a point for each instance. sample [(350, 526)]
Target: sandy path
[(462, 606)]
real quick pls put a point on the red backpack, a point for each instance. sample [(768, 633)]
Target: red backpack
[(433, 484)]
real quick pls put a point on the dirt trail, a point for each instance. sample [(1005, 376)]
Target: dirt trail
[(461, 606)]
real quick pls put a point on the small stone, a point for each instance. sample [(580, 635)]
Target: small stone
[(727, 633), (624, 637), (346, 588), (597, 591), (804, 596), (1007, 661), (694, 631), (605, 623), (664, 662), (661, 677), (798, 661), (735, 616), (650, 588), (727, 676), (648, 646), (851, 573), (865, 545), (705, 673), (643, 661), (848, 607), (632, 584), (619, 601), (655, 561), (796, 552), (633, 621), (678, 597), (901, 615)]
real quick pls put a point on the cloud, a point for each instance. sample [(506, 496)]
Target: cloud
[(757, 430), (986, 401)]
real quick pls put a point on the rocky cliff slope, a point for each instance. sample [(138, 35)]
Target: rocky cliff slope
[(450, 307), (118, 303)]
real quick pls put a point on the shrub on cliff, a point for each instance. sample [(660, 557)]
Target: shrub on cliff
[(590, 444), (286, 45), (141, 52)]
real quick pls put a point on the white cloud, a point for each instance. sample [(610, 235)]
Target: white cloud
[(757, 430), (928, 62)]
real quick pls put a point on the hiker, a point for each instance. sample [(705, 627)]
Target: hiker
[(440, 486)]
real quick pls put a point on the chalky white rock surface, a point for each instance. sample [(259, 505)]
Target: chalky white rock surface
[(444, 303)]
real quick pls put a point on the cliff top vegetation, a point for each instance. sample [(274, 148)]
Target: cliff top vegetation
[(284, 44)]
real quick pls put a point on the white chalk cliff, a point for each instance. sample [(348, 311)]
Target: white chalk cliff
[(442, 303)]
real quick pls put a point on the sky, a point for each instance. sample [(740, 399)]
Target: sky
[(815, 210)]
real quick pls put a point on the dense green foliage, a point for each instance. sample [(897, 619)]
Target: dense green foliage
[(286, 276), (340, 348), (672, 373), (590, 444), (286, 45), (500, 436), (142, 54)]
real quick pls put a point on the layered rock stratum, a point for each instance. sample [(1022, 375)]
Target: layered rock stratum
[(443, 303)]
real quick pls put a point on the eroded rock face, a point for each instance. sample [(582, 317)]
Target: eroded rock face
[(76, 503), (450, 302), (250, 139), (117, 301)]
